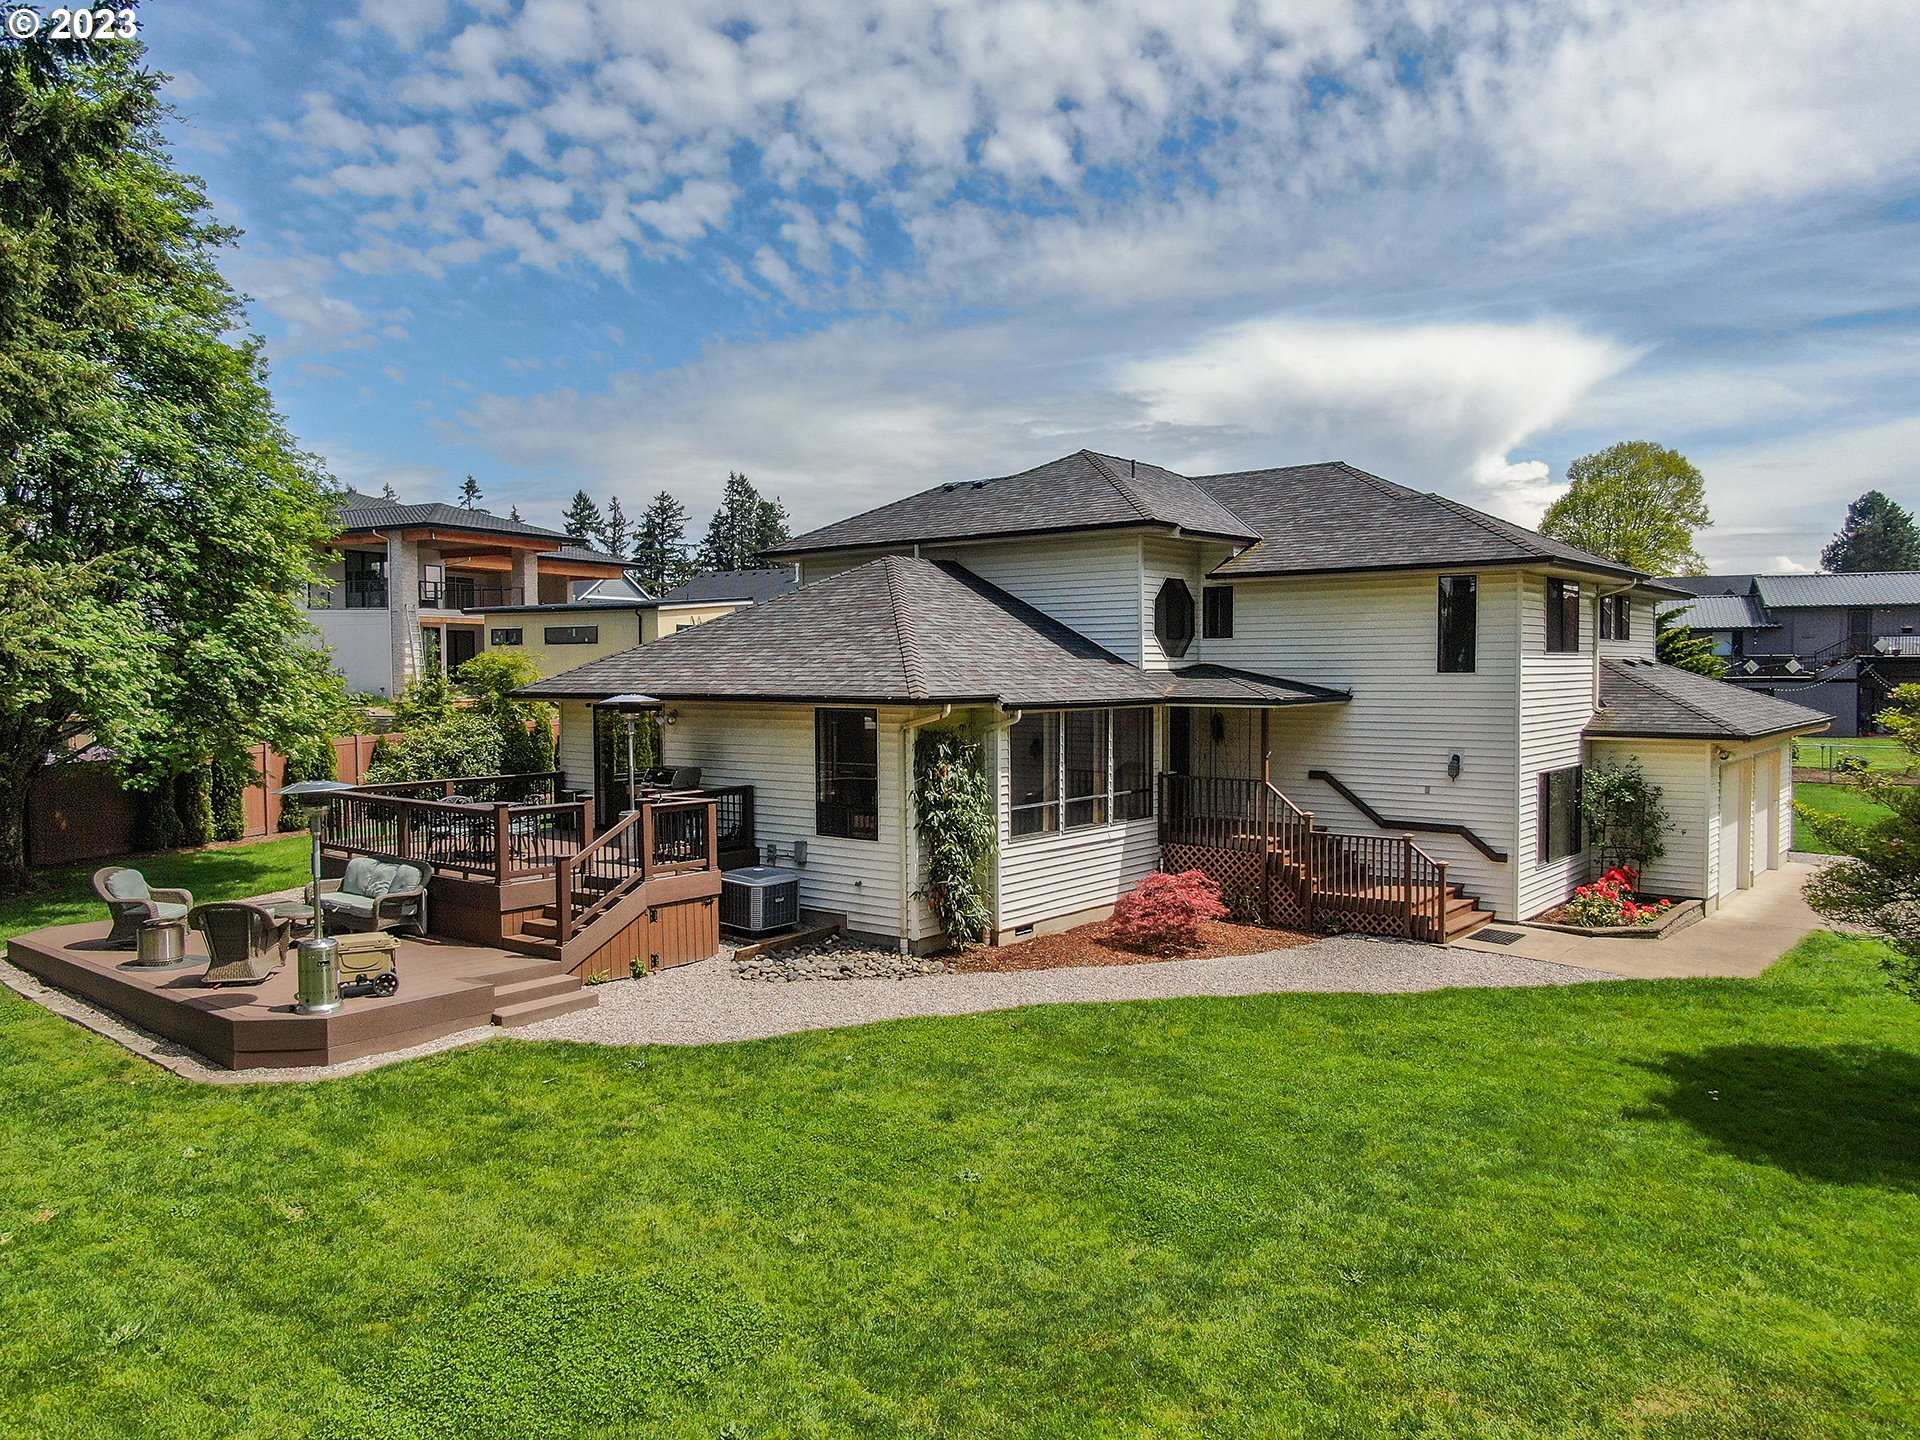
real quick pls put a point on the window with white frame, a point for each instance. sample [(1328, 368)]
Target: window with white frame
[(1075, 768)]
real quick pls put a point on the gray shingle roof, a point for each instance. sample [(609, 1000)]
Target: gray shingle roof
[(1081, 491), (752, 585), (900, 630), (1802, 591), (1643, 699), (360, 512), (571, 551), (1331, 517), (1722, 612)]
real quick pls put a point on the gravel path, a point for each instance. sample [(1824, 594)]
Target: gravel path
[(707, 1003)]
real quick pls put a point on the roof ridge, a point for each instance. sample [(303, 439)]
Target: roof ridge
[(912, 664), (1127, 492)]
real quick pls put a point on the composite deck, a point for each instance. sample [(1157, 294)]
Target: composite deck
[(445, 987)]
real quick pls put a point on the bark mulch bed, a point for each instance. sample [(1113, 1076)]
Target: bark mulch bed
[(1093, 945)]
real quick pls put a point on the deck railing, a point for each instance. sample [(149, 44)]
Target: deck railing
[(1263, 844), (668, 836)]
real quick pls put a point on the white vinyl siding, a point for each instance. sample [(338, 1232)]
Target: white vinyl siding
[(1639, 643), (1683, 769), (1557, 696), (1375, 635)]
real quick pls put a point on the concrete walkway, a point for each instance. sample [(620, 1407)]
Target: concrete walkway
[(1747, 933)]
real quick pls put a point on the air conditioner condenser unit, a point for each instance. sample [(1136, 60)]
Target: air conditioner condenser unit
[(759, 899)]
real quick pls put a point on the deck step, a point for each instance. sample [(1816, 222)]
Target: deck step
[(1463, 924), (540, 989), (526, 1012), (543, 927)]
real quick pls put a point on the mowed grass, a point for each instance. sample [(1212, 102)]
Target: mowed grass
[(1840, 800), (1880, 754), (1672, 1209)]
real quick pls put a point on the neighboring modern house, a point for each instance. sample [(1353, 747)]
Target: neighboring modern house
[(402, 581), (1838, 643), (1357, 705), (609, 616)]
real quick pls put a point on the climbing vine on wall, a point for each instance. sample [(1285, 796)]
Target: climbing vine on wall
[(958, 832)]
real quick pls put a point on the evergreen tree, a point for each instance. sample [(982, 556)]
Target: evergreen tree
[(660, 544), (469, 493), (743, 525), (1879, 534), (157, 518), (389, 494), (513, 513), (1635, 503), (617, 532), (583, 520), (1684, 648)]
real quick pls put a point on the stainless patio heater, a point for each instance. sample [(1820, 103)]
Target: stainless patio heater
[(630, 708), (318, 990)]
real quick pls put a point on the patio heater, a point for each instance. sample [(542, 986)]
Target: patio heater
[(630, 708), (318, 991)]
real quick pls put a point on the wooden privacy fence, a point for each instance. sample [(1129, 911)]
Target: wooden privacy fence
[(80, 811)]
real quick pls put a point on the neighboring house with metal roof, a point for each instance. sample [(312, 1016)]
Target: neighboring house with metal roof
[(401, 582), (1838, 643), (1356, 704)]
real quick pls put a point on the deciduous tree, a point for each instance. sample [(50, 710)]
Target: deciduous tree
[(1635, 503)]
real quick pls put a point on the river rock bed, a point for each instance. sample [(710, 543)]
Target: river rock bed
[(832, 960)]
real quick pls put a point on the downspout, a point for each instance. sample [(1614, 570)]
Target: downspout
[(907, 846)]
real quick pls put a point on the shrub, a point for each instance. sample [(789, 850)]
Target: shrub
[(953, 800), (1164, 912), (1850, 765), (1624, 817), (1610, 901)]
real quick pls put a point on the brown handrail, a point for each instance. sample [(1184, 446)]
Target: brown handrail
[(1427, 827)]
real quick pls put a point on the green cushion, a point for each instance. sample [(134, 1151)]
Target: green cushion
[(355, 904), (164, 910), (128, 885), (408, 877), (368, 877)]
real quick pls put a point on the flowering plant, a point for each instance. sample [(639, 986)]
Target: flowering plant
[(1610, 901)]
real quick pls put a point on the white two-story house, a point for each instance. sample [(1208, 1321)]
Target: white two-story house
[(1357, 705)]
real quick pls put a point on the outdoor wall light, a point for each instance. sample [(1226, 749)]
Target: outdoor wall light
[(1453, 766)]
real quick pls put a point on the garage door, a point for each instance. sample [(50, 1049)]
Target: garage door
[(1736, 822)]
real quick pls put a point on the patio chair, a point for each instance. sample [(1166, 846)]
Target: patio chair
[(245, 942), (377, 895), (132, 903)]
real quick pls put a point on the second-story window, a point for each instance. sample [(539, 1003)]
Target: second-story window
[(1173, 617), (1563, 616), (1216, 612), (512, 635), (1459, 623), (1616, 617), (366, 580)]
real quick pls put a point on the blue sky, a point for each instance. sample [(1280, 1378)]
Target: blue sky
[(855, 248)]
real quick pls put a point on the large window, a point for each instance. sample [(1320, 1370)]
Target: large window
[(366, 580), (846, 767), (1616, 617), (1081, 767), (573, 634), (1459, 622), (1563, 617), (1216, 612), (1560, 833)]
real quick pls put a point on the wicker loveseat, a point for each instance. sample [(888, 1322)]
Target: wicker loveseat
[(376, 895), (132, 902)]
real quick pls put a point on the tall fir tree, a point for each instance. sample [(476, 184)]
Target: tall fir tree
[(513, 513), (660, 544), (470, 493), (1677, 644), (157, 521), (583, 520), (388, 493), (616, 531), (1879, 534), (743, 524)]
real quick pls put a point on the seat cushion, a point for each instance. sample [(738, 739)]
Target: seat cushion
[(367, 877), (128, 885), (352, 904), (408, 877), (166, 910)]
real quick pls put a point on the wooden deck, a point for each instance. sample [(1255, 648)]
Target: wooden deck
[(445, 987)]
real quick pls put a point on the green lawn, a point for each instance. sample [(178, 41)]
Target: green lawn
[(1819, 753), (1672, 1209), (1841, 800)]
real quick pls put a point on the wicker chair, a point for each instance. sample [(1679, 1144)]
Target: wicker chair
[(247, 943), (377, 895), (132, 903)]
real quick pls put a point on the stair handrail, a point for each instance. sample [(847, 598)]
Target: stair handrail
[(1429, 827), (569, 919)]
